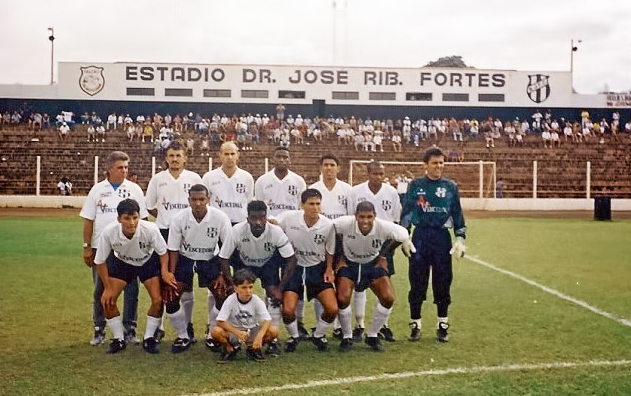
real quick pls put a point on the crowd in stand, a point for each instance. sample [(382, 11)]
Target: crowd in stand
[(363, 134)]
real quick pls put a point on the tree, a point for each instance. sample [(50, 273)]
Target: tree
[(448, 61)]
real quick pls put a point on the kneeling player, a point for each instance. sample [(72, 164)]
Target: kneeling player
[(131, 248), (366, 241), (193, 239), (263, 249), (313, 238), (243, 319)]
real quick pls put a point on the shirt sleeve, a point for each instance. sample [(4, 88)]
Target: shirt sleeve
[(224, 313), (249, 188), (175, 234), (282, 243), (261, 311), (456, 213), (103, 250), (159, 245), (330, 241), (396, 207), (258, 188), (395, 231), (152, 194), (228, 246), (88, 211)]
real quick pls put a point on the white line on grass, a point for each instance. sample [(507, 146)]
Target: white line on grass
[(554, 292), (457, 370)]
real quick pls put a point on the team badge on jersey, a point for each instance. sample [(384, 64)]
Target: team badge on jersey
[(376, 243), (142, 245), (268, 246), (187, 187), (292, 190), (124, 193), (91, 80), (538, 88), (386, 205), (211, 232), (441, 192), (342, 200), (318, 239), (240, 188)]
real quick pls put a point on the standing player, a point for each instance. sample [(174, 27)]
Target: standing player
[(433, 202), (130, 249), (167, 195), (193, 246), (387, 205), (366, 240), (231, 189), (99, 210), (263, 248), (313, 238)]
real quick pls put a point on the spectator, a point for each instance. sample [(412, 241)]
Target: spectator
[(65, 187), (91, 133), (100, 131), (64, 131), (190, 146), (111, 121), (499, 188), (396, 141), (545, 136)]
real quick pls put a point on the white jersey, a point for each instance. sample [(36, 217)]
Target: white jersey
[(135, 251), (336, 202), (170, 195), (198, 240), (232, 194), (386, 201), (100, 205), (360, 248), (253, 251), (243, 316), (279, 195), (309, 243)]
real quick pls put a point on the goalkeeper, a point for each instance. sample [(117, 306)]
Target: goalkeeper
[(432, 205)]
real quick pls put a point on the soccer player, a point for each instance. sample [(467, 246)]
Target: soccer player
[(243, 319), (99, 210), (263, 248), (366, 240), (433, 202), (193, 246), (387, 204), (313, 238), (130, 249), (167, 195)]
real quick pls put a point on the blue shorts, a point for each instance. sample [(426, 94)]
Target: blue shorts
[(311, 277), (207, 271), (126, 272), (268, 273), (363, 275)]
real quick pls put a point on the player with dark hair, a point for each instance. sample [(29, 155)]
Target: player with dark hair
[(313, 238), (263, 248), (193, 242), (130, 249), (243, 319), (366, 240), (433, 206)]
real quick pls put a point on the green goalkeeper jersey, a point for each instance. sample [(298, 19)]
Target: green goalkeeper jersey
[(434, 204)]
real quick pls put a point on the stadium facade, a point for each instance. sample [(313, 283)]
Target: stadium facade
[(309, 90)]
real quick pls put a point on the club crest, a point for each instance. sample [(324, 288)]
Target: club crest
[(538, 88), (91, 80)]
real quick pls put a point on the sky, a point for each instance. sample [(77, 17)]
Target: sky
[(532, 35)]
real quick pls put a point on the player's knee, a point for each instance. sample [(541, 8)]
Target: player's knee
[(387, 300), (271, 333), (289, 315), (329, 314), (217, 333)]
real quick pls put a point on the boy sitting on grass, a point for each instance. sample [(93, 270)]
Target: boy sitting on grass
[(244, 319)]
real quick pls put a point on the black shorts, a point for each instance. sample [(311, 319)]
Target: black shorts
[(311, 277), (363, 275), (119, 269), (207, 271), (268, 273)]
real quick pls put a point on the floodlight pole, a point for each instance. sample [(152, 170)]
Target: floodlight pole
[(52, 51)]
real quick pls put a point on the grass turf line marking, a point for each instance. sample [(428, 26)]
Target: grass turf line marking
[(457, 370), (554, 292)]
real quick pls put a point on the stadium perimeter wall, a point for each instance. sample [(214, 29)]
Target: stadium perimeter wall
[(489, 204)]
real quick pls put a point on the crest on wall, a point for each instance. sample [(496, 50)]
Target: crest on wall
[(538, 88), (91, 80)]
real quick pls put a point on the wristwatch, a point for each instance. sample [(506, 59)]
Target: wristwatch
[(86, 244)]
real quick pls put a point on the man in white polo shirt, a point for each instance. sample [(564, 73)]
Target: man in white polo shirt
[(167, 195), (99, 210), (130, 249), (280, 188), (193, 246)]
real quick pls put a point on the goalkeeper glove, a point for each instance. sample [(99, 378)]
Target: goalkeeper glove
[(458, 249), (407, 247)]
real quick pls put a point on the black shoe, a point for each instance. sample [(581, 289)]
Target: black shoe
[(116, 345), (321, 343), (302, 331), (358, 334), (150, 345), (159, 335), (130, 336), (254, 355), (415, 333), (227, 356), (442, 334), (290, 345), (212, 345), (374, 343), (191, 333), (180, 345), (273, 349), (346, 345), (337, 333), (386, 334), (99, 336)]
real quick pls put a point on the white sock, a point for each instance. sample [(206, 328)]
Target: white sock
[(385, 324), (210, 306), (317, 308), (336, 323), (212, 318), (178, 320), (441, 320), (417, 321), (300, 311), (152, 326), (380, 318), (186, 301), (292, 329), (116, 326), (161, 324), (321, 328), (346, 318), (274, 312), (359, 307)]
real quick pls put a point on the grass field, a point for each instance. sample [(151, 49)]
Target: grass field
[(507, 336)]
